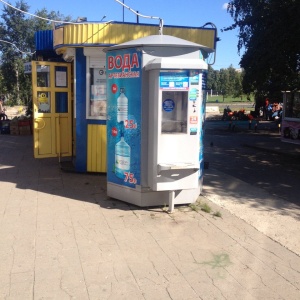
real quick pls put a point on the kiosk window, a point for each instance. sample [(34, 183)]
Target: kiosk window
[(292, 105), (43, 76), (61, 76), (44, 102), (174, 111), (97, 101)]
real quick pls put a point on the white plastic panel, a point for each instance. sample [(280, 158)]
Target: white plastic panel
[(174, 148)]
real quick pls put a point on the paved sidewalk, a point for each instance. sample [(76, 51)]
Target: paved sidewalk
[(276, 218), (62, 238)]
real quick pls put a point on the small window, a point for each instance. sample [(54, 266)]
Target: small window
[(174, 111), (43, 76), (61, 76), (44, 102), (61, 102), (97, 101), (292, 105)]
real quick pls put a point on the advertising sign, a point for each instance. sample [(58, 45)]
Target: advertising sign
[(175, 80), (202, 118), (124, 117)]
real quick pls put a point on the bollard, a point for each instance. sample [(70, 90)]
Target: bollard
[(255, 126)]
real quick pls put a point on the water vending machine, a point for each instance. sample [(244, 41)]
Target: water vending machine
[(155, 116)]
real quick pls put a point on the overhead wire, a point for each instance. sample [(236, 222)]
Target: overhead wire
[(46, 19), (20, 10), (161, 21), (39, 17), (33, 15), (30, 53)]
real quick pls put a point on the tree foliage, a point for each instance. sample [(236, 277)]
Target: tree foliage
[(17, 46), (269, 33), (227, 82)]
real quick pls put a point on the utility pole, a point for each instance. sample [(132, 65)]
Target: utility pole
[(123, 11)]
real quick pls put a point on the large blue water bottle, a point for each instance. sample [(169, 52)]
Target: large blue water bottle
[(122, 158)]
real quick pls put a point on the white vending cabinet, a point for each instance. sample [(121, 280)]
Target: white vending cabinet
[(155, 116)]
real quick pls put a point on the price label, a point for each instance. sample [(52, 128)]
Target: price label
[(129, 177), (130, 124)]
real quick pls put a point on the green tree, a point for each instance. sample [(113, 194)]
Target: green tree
[(213, 79), (14, 33), (232, 75), (224, 83), (237, 85), (228, 81), (268, 32), (17, 46)]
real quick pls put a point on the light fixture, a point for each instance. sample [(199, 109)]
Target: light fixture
[(81, 19)]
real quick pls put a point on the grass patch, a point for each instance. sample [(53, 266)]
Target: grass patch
[(165, 208), (195, 206), (217, 214), (227, 99), (203, 206), (206, 208)]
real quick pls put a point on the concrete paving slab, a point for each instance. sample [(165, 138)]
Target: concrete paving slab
[(274, 217)]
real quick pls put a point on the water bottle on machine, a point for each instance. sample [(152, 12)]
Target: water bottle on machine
[(122, 158), (122, 106)]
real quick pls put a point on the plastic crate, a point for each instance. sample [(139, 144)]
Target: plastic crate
[(24, 130), (23, 123), (5, 130), (5, 127)]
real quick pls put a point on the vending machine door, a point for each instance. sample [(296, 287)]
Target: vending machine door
[(177, 105)]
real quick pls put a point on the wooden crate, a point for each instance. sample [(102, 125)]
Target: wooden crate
[(24, 130), (14, 130)]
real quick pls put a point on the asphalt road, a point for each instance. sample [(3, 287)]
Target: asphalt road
[(228, 152)]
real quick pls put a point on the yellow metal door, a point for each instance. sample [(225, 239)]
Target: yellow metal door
[(52, 117)]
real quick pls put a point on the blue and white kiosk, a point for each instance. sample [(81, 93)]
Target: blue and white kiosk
[(155, 116)]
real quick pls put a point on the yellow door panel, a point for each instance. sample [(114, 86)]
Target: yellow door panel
[(42, 138), (52, 112), (65, 143)]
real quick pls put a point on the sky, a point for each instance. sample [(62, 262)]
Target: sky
[(194, 13)]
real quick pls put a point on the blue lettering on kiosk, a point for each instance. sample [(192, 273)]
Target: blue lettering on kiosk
[(168, 105)]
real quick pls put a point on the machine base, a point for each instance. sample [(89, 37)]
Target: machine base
[(146, 197)]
